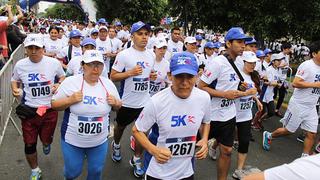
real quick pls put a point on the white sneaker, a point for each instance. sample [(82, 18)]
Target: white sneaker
[(239, 174), (212, 152)]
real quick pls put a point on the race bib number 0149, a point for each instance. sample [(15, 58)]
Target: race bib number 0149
[(181, 147)]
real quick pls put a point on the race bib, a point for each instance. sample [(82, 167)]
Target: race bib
[(40, 89), (88, 126), (154, 86), (225, 103), (284, 71), (140, 85), (182, 147), (245, 104)]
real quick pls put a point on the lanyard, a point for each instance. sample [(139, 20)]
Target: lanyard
[(107, 93)]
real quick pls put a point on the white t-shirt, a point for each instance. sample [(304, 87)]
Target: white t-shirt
[(53, 46), (76, 51), (37, 79), (309, 72), (305, 168), (175, 47), (174, 123), (86, 124), (273, 76), (74, 67), (244, 104), (123, 34), (220, 74), (162, 68), (261, 70), (135, 90), (205, 59), (104, 47), (283, 71)]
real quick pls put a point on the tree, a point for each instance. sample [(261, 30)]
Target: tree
[(130, 11), (65, 11)]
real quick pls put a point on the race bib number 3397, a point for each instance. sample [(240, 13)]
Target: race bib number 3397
[(182, 147)]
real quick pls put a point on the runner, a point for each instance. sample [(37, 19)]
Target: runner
[(87, 101), (221, 81), (174, 44), (302, 105), (171, 147), (133, 66), (208, 53), (36, 74), (53, 44)]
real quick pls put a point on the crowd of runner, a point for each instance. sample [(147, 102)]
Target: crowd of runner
[(186, 96)]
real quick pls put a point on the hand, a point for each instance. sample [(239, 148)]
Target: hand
[(162, 155), (113, 102), (16, 92), (202, 153), (54, 88), (232, 94), (76, 97), (137, 70), (153, 75)]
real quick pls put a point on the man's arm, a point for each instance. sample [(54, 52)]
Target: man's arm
[(301, 83)]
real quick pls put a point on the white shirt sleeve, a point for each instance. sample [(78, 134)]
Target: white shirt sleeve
[(63, 52), (119, 63), (211, 72), (206, 118), (15, 74), (147, 118), (302, 71)]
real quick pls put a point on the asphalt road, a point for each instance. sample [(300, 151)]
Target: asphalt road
[(14, 166)]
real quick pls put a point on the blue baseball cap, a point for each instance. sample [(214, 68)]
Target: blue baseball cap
[(118, 23), (88, 41), (94, 31), (236, 33), (252, 41), (139, 25), (75, 33), (209, 45), (267, 51), (183, 62), (260, 53), (102, 21), (217, 45), (199, 37)]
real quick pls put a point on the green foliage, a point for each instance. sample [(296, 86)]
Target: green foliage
[(130, 11), (65, 11)]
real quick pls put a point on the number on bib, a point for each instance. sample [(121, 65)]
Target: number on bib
[(141, 84), (181, 147), (89, 125)]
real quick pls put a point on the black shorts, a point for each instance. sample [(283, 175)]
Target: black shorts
[(223, 132), (126, 115)]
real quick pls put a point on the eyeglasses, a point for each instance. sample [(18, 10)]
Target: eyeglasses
[(95, 65)]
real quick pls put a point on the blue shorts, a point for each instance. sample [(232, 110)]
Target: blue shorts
[(74, 156)]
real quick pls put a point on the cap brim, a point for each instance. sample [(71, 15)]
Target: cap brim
[(33, 44), (88, 44), (146, 26), (184, 70), (92, 60)]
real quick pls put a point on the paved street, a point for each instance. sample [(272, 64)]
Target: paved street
[(14, 166)]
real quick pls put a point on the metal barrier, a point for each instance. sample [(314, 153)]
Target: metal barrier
[(6, 97)]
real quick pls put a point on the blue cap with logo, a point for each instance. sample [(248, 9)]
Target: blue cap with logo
[(236, 33), (199, 37), (209, 45), (139, 25), (88, 41), (94, 31), (267, 51), (217, 45), (183, 62), (75, 33), (251, 41), (260, 53), (118, 23)]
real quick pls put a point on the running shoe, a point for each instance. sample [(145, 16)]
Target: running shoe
[(132, 143), (317, 148), (278, 113), (116, 154), (35, 175), (266, 142), (235, 145), (137, 167), (239, 174), (301, 137), (46, 149)]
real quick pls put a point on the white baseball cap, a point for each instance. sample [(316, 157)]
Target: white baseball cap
[(200, 31), (103, 27), (91, 56), (249, 56), (160, 42), (33, 39), (190, 40), (278, 56)]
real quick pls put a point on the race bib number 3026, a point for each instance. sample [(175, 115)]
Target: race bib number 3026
[(182, 147), (89, 125)]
